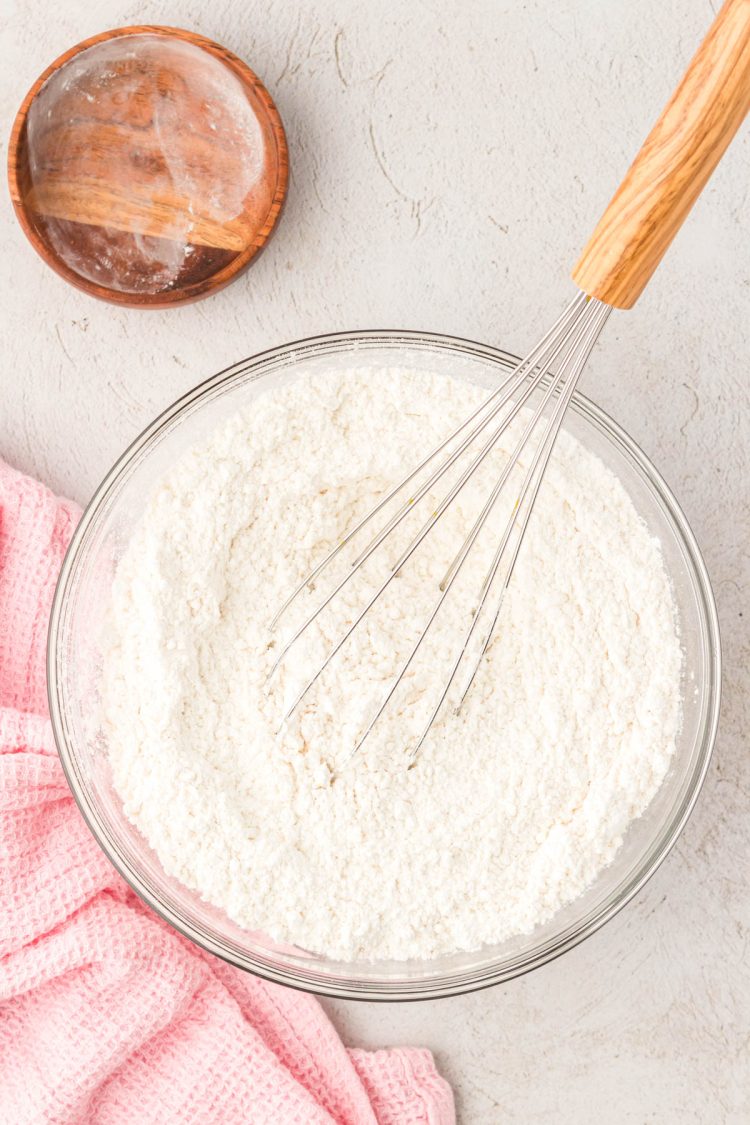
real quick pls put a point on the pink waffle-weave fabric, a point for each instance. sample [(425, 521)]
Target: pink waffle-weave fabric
[(107, 1016)]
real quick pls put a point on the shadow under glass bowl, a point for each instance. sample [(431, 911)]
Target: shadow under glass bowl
[(75, 669)]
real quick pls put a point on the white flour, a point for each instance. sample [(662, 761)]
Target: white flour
[(514, 806)]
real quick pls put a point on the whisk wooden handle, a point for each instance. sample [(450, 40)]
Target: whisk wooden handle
[(673, 165)]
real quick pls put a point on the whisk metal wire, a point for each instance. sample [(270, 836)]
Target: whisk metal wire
[(568, 344)]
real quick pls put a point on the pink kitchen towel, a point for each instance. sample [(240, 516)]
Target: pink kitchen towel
[(106, 1014)]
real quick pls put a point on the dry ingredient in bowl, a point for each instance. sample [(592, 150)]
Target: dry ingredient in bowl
[(515, 805)]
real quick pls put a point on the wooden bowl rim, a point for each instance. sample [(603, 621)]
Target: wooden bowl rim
[(198, 289)]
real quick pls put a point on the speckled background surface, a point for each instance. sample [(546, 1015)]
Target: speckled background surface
[(448, 163)]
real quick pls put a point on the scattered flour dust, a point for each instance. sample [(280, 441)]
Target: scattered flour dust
[(514, 806)]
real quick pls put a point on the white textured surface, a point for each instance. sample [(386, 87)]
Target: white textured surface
[(448, 162)]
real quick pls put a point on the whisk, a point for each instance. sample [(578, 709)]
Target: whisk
[(672, 167)]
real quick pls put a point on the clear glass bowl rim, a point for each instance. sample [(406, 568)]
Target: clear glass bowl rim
[(430, 987)]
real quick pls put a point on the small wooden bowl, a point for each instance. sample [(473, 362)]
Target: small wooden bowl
[(148, 166)]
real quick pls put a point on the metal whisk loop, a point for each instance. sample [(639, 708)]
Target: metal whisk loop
[(572, 364), (532, 482), (568, 344), (544, 455)]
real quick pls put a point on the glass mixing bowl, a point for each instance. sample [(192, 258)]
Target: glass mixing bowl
[(75, 669)]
